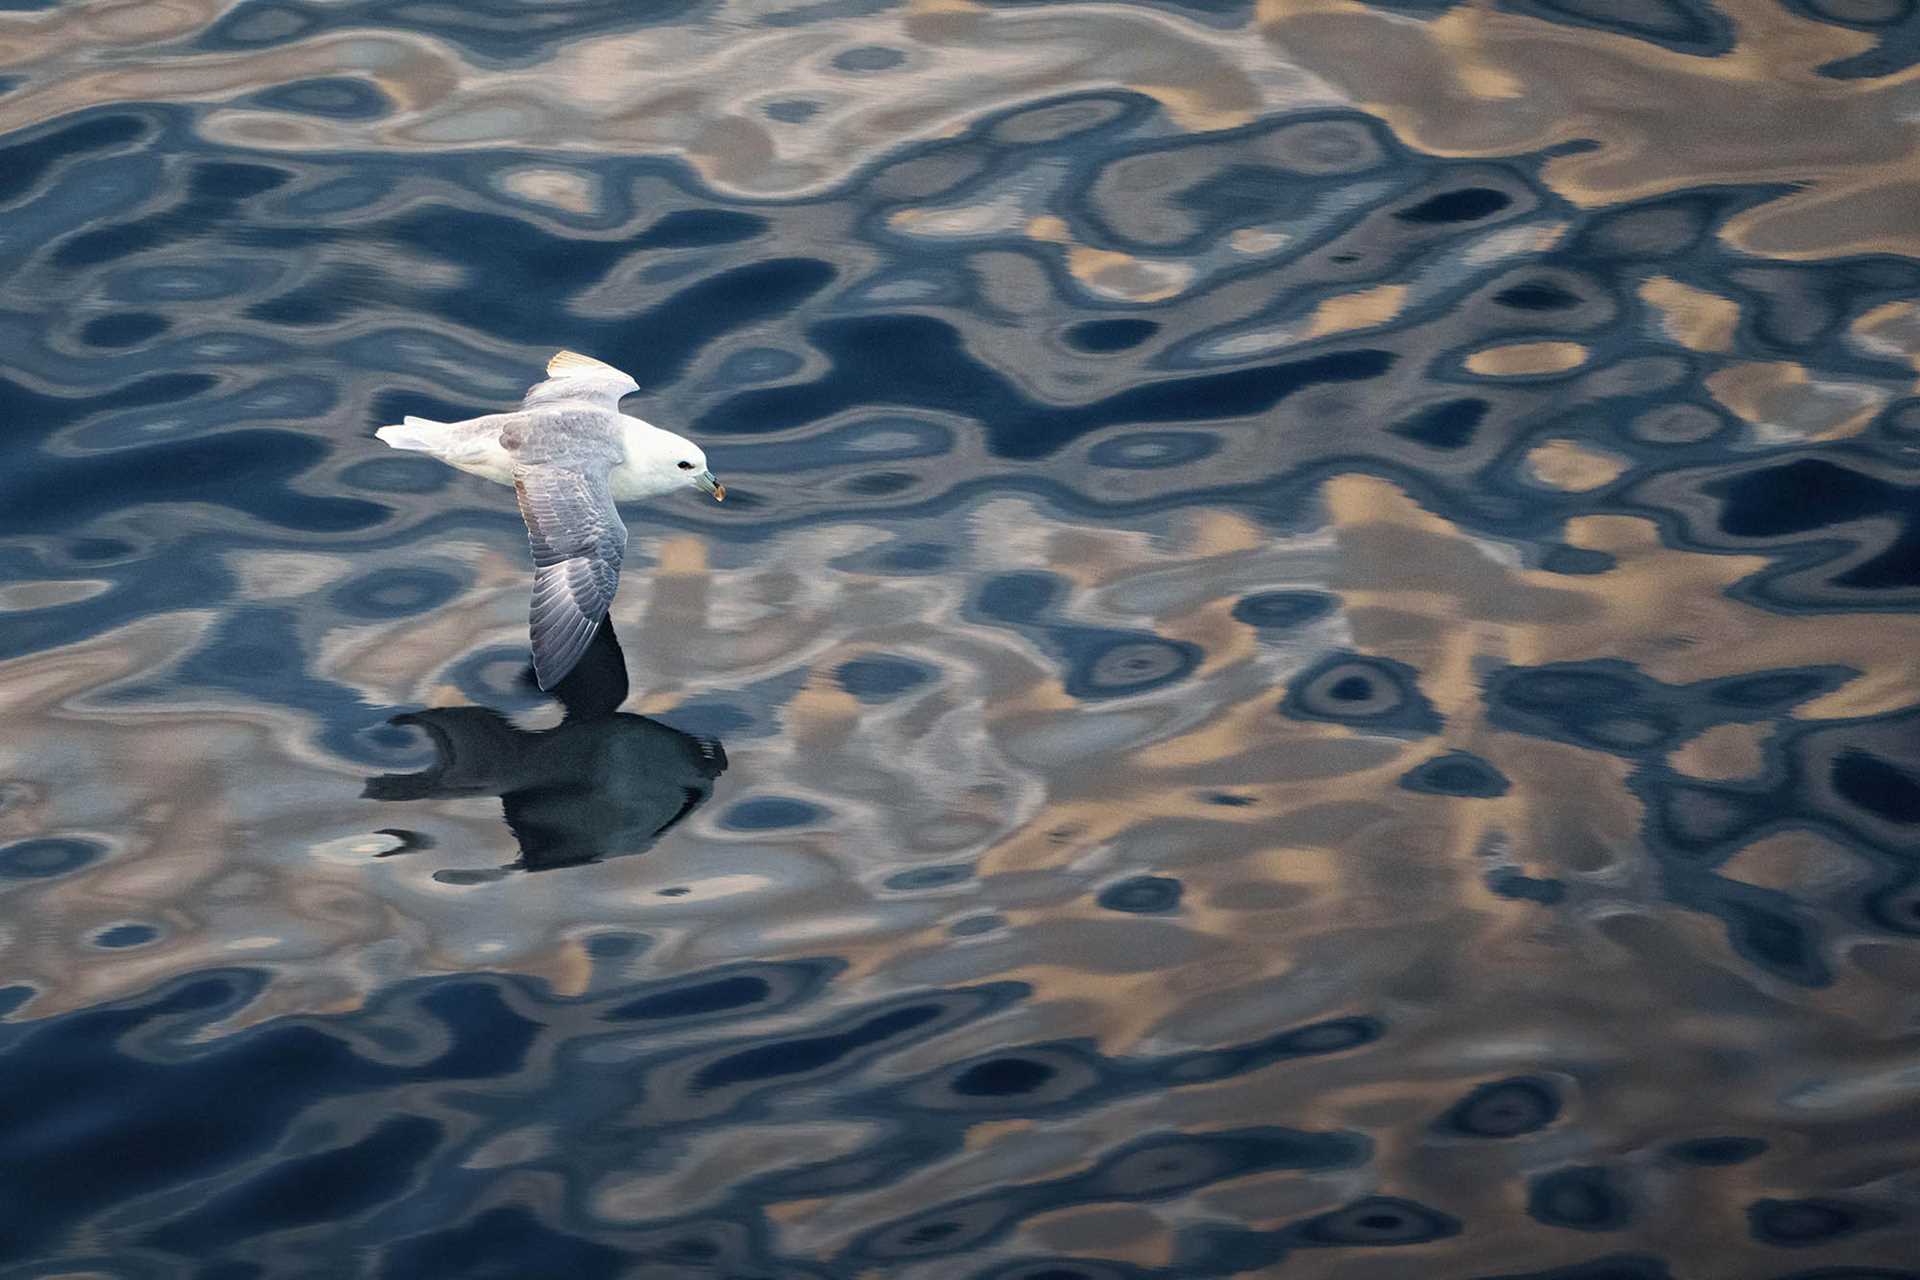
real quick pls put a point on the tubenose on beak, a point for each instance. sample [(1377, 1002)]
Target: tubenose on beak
[(710, 485)]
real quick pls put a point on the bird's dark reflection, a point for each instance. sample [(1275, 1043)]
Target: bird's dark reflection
[(601, 784)]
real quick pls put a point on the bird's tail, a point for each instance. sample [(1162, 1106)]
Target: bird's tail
[(413, 433)]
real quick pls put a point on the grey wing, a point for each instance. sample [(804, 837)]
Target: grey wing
[(571, 376), (578, 540), (573, 435)]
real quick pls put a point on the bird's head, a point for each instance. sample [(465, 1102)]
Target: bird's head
[(669, 461), (690, 460)]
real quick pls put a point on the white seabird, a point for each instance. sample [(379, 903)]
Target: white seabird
[(569, 454)]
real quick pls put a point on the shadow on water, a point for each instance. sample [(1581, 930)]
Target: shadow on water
[(601, 784)]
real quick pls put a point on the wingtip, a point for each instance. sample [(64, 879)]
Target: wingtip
[(557, 650), (550, 670), (565, 362)]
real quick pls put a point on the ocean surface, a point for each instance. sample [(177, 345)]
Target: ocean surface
[(1311, 667)]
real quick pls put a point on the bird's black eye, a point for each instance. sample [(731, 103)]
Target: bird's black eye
[(686, 466)]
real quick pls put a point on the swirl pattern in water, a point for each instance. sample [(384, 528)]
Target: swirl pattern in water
[(1308, 668)]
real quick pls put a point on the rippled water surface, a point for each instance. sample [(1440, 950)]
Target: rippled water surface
[(1309, 669)]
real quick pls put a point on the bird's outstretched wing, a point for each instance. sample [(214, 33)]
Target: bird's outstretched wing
[(572, 376), (578, 540)]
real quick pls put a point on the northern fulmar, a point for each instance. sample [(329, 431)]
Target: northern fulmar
[(569, 454)]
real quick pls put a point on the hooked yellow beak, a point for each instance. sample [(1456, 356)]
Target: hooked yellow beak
[(707, 483)]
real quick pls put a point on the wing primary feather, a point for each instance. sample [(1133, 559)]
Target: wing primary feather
[(568, 362), (578, 540), (578, 379)]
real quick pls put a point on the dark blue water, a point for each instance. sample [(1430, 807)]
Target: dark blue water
[(1308, 669)]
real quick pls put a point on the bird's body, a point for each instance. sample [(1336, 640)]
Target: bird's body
[(569, 454), (474, 447)]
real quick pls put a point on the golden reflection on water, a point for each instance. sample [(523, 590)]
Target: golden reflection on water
[(689, 89), (1448, 85), (1664, 120)]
